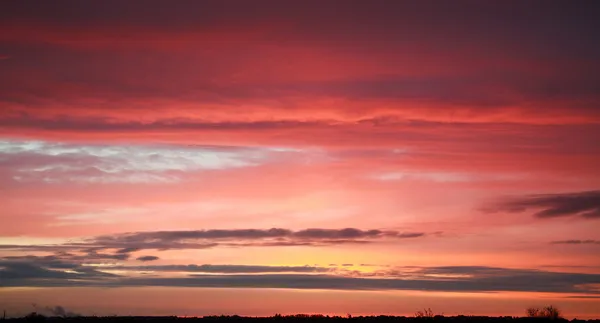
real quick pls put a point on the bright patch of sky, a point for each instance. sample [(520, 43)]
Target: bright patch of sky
[(57, 162)]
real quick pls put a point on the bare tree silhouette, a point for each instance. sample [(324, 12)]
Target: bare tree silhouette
[(425, 313), (548, 312)]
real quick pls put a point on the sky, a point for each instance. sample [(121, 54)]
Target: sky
[(261, 157)]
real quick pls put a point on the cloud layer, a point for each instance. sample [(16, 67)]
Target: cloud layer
[(56, 162), (41, 273), (123, 244), (581, 204)]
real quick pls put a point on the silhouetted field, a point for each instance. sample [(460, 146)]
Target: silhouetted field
[(292, 319)]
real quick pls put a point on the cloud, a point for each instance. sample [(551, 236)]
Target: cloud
[(59, 162), (534, 281), (23, 270), (61, 262), (147, 258), (61, 258), (101, 256), (90, 124), (445, 177), (576, 242), (37, 85), (35, 271), (449, 279), (306, 234), (311, 23), (201, 239), (101, 216), (225, 269), (127, 250), (584, 205), (119, 246)]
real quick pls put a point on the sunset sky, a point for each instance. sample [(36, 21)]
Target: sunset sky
[(261, 157)]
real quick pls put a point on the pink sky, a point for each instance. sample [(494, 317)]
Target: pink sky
[(300, 157)]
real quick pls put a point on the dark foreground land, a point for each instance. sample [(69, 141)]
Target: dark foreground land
[(292, 319)]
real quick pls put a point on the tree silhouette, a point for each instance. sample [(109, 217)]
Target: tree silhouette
[(548, 312)]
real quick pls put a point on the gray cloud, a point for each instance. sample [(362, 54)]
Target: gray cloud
[(127, 250), (25, 271), (41, 270), (202, 239), (226, 269), (43, 66), (476, 271), (448, 278), (118, 247), (92, 125), (56, 162), (541, 282), (147, 258), (47, 271), (65, 260), (576, 242), (101, 256), (585, 205)]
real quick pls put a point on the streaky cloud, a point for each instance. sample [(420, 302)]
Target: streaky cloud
[(576, 241), (585, 205), (147, 258), (448, 279)]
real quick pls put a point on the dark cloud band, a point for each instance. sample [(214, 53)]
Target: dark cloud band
[(585, 205), (119, 247), (450, 278)]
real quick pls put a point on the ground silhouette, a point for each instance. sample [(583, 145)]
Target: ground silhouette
[(299, 318)]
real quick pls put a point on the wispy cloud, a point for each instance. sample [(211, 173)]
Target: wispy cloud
[(35, 273), (224, 269), (58, 162), (441, 177), (585, 205), (147, 258), (200, 239), (576, 242), (121, 245)]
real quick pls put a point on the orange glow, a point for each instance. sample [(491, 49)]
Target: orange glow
[(300, 157)]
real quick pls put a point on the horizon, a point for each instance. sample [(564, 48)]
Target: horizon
[(338, 157), (419, 316)]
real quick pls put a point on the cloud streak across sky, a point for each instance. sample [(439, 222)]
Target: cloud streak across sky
[(126, 243), (41, 273), (581, 204)]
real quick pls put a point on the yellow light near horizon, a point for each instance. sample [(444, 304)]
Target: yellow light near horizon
[(26, 241)]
